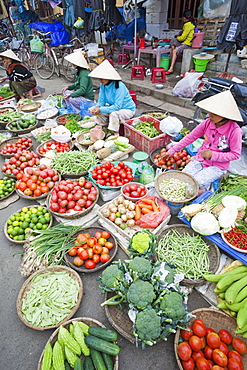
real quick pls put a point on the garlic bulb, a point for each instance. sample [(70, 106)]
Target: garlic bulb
[(122, 209), (130, 215), (106, 213), (131, 206), (112, 217), (118, 221), (112, 208), (120, 199), (124, 218), (131, 223), (126, 202)]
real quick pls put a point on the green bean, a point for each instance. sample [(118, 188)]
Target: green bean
[(188, 253), (74, 161), (147, 128)]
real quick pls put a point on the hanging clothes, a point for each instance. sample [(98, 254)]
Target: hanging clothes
[(96, 20), (112, 15)]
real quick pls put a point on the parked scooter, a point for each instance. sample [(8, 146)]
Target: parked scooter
[(215, 85)]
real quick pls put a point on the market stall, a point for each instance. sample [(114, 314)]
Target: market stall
[(82, 206)]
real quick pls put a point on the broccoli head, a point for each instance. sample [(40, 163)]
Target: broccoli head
[(147, 326), (111, 277), (172, 305), (140, 294), (140, 267)]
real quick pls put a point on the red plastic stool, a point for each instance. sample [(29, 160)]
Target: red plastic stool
[(33, 93), (111, 61), (123, 58), (158, 74), (133, 96), (138, 72)]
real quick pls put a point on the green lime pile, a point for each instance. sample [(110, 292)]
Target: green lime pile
[(30, 218), (7, 185)]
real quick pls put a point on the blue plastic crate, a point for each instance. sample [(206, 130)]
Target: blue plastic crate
[(216, 238)]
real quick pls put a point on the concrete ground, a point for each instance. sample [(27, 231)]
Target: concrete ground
[(21, 346)]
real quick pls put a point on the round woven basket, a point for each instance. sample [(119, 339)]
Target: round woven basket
[(30, 107), (23, 241), (70, 216), (76, 116), (42, 145), (13, 140), (119, 319), (182, 176), (213, 254), (74, 176), (26, 287), (92, 230), (87, 320), (214, 319), (53, 112), (6, 196), (156, 113), (24, 131)]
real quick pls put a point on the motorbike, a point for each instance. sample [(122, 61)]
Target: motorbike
[(215, 85)]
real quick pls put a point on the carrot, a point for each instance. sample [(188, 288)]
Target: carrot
[(145, 206), (146, 210), (147, 201), (138, 213), (155, 206)]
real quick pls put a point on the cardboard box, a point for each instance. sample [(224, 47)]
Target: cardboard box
[(156, 18)]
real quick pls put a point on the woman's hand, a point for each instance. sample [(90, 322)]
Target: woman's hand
[(206, 153), (66, 96), (64, 89), (95, 110), (3, 79)]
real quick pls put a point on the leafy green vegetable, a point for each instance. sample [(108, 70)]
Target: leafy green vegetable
[(74, 127), (43, 137), (172, 305), (140, 267), (147, 326), (5, 92), (141, 294)]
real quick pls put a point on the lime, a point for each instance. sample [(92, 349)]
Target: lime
[(21, 237), (44, 227), (17, 215), (34, 219), (34, 210), (26, 217), (16, 228), (43, 220), (9, 222), (39, 226), (20, 231), (9, 229), (12, 218), (14, 233), (25, 209), (15, 223), (16, 237), (40, 208), (31, 225), (21, 218), (39, 213), (25, 225)]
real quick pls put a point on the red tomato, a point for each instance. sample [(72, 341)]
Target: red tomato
[(199, 329), (186, 334), (195, 343), (189, 364), (217, 367), (202, 364), (209, 330), (104, 257), (208, 352), (91, 241), (219, 357), (83, 254), (78, 261), (239, 346), (211, 364), (225, 336), (236, 355), (184, 351), (89, 264), (223, 347), (196, 355), (97, 249), (105, 234), (203, 340), (213, 340), (234, 364), (96, 258), (72, 251)]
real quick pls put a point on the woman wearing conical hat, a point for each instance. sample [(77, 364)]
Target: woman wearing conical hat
[(82, 88), (21, 80), (222, 140), (115, 104)]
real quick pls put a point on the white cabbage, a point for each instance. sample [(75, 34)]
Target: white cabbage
[(234, 201), (227, 217), (205, 223)]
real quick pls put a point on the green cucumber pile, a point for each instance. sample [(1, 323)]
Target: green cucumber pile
[(81, 347), (6, 117), (26, 121)]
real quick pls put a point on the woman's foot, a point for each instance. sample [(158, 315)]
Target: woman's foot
[(169, 72)]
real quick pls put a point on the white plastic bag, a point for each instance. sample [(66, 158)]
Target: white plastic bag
[(61, 134), (187, 87), (171, 126)]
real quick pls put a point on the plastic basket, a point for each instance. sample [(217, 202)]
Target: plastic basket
[(141, 141)]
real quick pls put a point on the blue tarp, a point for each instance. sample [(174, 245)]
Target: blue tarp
[(59, 34)]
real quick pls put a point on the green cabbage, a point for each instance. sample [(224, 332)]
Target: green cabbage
[(205, 223)]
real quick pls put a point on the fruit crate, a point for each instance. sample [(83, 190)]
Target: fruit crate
[(141, 141)]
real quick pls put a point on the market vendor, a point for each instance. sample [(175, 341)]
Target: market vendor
[(115, 104), (21, 80), (222, 140), (82, 89)]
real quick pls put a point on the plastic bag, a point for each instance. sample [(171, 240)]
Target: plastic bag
[(154, 219), (36, 45), (171, 126), (96, 133), (61, 134), (147, 173), (187, 87), (85, 106), (216, 8), (79, 23)]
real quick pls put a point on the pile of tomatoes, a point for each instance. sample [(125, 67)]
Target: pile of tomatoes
[(19, 162), (54, 145), (176, 161), (110, 175), (91, 249), (17, 147), (36, 181), (205, 349)]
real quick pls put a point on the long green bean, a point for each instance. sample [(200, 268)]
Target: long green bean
[(188, 253), (74, 161)]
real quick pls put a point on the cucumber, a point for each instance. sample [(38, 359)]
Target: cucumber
[(226, 281), (88, 364), (78, 364), (108, 361), (97, 360), (103, 333), (102, 345)]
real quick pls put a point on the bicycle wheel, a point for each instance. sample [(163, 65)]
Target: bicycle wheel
[(67, 70), (24, 57), (44, 66)]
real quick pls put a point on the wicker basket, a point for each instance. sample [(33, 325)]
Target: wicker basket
[(52, 113), (182, 176), (156, 113), (24, 131), (119, 319), (28, 284), (70, 216), (23, 241), (42, 145), (31, 107), (6, 196), (74, 176), (213, 254), (13, 140), (76, 116), (100, 265), (87, 320), (214, 319)]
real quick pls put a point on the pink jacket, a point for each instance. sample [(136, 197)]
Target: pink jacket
[(225, 143)]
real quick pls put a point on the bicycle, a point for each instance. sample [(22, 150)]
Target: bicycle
[(45, 62)]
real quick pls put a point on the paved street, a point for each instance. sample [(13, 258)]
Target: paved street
[(21, 346)]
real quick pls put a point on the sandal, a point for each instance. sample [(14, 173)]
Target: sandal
[(168, 72)]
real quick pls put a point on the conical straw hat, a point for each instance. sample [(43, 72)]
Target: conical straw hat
[(222, 104), (78, 59), (106, 71), (9, 54)]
